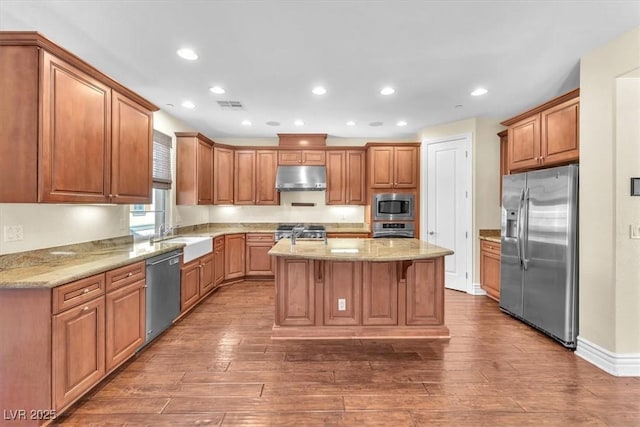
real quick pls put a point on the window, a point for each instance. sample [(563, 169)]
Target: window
[(145, 220)]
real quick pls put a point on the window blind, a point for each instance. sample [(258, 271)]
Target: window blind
[(161, 160)]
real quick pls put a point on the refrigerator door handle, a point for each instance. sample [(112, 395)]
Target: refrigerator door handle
[(519, 228), (525, 230)]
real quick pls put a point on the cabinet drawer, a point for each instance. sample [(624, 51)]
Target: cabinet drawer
[(488, 246), (124, 275), (260, 237), (218, 242), (78, 292)]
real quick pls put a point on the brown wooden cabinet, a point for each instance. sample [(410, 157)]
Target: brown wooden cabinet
[(259, 262), (425, 297), (196, 280), (84, 137), (218, 260), (342, 289), (380, 293), (394, 166), (346, 177), (547, 135), (504, 159), (490, 268), (234, 256), (223, 176), (194, 169), (301, 157), (296, 292), (125, 322), (244, 187), (206, 279), (266, 169)]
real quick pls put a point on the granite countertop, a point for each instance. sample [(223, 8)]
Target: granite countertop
[(359, 249), (51, 267), (491, 235)]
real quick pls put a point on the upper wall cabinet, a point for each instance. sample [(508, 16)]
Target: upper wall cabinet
[(346, 177), (255, 177), (70, 134), (223, 160), (394, 166), (301, 157), (194, 169), (547, 135)]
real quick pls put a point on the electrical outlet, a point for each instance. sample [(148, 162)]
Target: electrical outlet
[(342, 304), (13, 233), (635, 231)]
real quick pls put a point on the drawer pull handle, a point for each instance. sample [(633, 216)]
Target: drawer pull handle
[(86, 308), (86, 291)]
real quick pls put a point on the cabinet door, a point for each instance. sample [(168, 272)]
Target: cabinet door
[(205, 281), (290, 157), (78, 351), (244, 187), (204, 173), (259, 262), (559, 138), (356, 193), (189, 290), (295, 299), (313, 157), (131, 151), (380, 293), (342, 287), (524, 143), (425, 292), (75, 149), (336, 177), (405, 167), (218, 260), (266, 169), (19, 122), (125, 322), (223, 176), (234, 253), (490, 269), (381, 167), (504, 160)]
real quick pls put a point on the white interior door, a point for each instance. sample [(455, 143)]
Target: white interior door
[(448, 206)]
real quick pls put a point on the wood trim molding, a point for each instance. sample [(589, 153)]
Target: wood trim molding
[(196, 135), (392, 144), (34, 38), (552, 103), (302, 140)]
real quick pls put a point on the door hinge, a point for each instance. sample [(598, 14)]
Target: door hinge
[(466, 275), (466, 234), (466, 194), (466, 153)]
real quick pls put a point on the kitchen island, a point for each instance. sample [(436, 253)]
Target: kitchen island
[(359, 288)]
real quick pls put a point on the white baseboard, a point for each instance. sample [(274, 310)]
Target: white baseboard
[(618, 364), (475, 289)]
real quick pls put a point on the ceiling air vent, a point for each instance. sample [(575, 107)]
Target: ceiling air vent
[(231, 105)]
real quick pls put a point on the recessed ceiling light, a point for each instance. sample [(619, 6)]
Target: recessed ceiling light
[(272, 123), (169, 105), (217, 90), (387, 90), (479, 91), (351, 123), (375, 124), (401, 123), (188, 104), (246, 123), (188, 54), (458, 106), (319, 90), (298, 123)]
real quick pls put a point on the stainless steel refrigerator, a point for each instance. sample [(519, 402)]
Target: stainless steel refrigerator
[(539, 260)]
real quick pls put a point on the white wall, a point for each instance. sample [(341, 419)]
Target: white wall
[(485, 173), (609, 155)]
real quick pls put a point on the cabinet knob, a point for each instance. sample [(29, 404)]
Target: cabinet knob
[(130, 274), (86, 308), (86, 291)]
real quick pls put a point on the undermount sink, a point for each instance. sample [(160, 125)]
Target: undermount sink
[(195, 246)]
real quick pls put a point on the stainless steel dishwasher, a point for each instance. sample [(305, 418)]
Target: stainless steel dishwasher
[(163, 292)]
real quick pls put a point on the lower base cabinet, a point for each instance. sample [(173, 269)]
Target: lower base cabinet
[(258, 260), (196, 281), (490, 268), (125, 323)]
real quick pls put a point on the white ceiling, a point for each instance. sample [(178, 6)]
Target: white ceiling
[(270, 54)]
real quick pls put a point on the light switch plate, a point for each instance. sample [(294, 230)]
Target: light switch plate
[(635, 231)]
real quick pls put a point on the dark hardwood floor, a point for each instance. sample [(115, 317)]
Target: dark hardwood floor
[(219, 366)]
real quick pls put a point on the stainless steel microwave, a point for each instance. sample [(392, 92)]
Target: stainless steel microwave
[(393, 207)]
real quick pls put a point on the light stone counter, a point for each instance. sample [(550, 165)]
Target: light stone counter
[(359, 249)]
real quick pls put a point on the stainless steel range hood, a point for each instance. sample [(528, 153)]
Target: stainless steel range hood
[(301, 178)]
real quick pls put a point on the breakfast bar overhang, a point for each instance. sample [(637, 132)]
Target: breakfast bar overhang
[(359, 289)]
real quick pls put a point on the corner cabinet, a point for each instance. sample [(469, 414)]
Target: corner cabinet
[(84, 137), (234, 256), (346, 177), (547, 135), (223, 161), (395, 166), (194, 169)]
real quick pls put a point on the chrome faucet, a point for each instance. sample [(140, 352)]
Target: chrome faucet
[(297, 230), (163, 231)]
